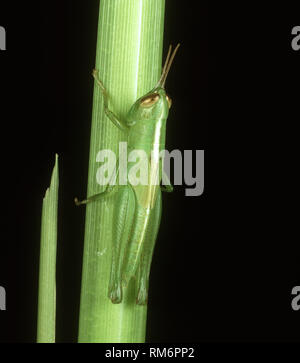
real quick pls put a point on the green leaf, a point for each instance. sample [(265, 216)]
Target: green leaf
[(129, 59), (47, 283)]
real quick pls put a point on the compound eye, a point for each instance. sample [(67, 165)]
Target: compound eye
[(169, 101), (149, 100)]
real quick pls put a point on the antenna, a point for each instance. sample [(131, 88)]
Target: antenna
[(167, 66)]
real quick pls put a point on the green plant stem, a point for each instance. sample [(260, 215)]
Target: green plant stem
[(47, 283), (129, 58)]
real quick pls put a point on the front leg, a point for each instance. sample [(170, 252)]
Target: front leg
[(113, 118)]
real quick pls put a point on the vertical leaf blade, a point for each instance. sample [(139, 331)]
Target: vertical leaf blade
[(129, 57), (47, 272)]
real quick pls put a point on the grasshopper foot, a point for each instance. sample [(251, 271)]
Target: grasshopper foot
[(77, 202), (142, 296), (115, 293)]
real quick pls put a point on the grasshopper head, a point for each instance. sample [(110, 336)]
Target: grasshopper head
[(156, 103), (152, 106)]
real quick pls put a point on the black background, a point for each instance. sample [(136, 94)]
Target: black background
[(225, 262)]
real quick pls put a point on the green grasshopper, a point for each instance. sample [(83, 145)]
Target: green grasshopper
[(135, 229)]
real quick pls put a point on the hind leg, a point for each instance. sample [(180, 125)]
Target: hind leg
[(147, 253), (123, 217)]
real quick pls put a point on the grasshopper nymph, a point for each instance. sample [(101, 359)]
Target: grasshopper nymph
[(136, 227)]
